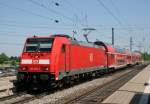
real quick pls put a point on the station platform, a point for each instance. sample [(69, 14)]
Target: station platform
[(135, 91)]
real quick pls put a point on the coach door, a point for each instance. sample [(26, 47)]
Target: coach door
[(67, 58)]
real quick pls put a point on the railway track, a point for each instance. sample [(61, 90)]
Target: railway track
[(17, 98), (7, 75), (11, 96), (95, 95), (22, 97)]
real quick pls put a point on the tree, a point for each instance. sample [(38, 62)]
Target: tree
[(14, 58), (146, 56), (3, 58), (13, 62)]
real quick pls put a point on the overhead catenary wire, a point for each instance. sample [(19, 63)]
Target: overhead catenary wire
[(112, 14), (30, 25), (22, 33), (109, 11), (8, 43), (82, 21), (68, 26), (54, 2), (26, 11), (76, 17), (116, 9), (119, 14), (36, 27), (50, 10), (13, 35), (73, 6)]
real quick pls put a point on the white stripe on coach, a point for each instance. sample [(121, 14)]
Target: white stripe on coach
[(44, 61), (26, 61)]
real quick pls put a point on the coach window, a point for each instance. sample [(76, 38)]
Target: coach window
[(63, 48), (112, 56), (128, 57)]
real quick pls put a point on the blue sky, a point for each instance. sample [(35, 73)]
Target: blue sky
[(20, 19)]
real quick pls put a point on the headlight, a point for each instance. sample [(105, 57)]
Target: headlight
[(24, 68), (45, 68)]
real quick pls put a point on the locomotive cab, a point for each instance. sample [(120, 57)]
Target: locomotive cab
[(36, 55)]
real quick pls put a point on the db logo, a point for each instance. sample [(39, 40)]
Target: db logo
[(35, 61)]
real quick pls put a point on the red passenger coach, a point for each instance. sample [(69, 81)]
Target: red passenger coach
[(136, 58), (60, 59)]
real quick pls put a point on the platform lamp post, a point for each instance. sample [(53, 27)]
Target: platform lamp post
[(131, 44), (144, 48)]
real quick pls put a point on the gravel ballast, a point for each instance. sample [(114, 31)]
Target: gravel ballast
[(62, 96)]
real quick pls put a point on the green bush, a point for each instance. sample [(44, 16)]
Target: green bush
[(146, 56), (3, 58)]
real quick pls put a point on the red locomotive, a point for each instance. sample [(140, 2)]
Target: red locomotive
[(60, 59)]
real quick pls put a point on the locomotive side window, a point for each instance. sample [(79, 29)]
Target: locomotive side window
[(63, 48), (39, 45)]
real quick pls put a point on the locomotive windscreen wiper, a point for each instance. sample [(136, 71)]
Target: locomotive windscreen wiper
[(38, 47)]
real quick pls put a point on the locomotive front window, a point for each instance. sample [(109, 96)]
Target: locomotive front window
[(39, 44)]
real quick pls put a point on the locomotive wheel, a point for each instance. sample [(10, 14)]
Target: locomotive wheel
[(94, 75), (60, 84)]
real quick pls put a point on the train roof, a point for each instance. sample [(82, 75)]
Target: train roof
[(95, 44), (61, 35)]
